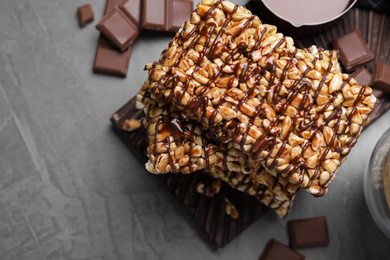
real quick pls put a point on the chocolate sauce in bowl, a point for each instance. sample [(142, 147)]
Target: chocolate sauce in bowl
[(301, 12)]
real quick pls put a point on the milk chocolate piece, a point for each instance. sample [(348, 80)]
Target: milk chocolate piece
[(132, 9), (118, 28), (277, 251), (362, 76), (181, 12), (308, 232), (109, 60), (354, 52), (110, 5), (381, 79), (165, 15), (85, 14)]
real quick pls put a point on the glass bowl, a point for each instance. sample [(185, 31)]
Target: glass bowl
[(377, 183)]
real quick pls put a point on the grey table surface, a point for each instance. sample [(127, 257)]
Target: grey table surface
[(70, 189)]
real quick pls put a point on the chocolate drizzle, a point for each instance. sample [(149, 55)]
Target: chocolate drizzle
[(277, 96)]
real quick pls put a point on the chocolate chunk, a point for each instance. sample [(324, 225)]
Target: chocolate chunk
[(308, 232), (165, 15), (362, 76), (354, 52), (132, 8), (111, 61), (110, 5), (181, 12), (154, 15), (85, 14), (381, 79), (277, 251), (377, 93), (118, 28)]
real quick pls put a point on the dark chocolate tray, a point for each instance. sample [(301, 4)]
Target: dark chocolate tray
[(209, 213)]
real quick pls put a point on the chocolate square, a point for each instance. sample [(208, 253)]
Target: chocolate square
[(154, 14), (277, 251), (118, 28), (110, 5), (381, 79), (308, 232), (354, 52), (362, 76), (132, 9), (181, 12), (111, 61), (85, 14)]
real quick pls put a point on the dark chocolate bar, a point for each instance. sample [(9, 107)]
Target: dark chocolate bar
[(353, 50), (381, 79), (85, 14), (165, 15), (207, 213), (118, 28), (277, 251), (109, 60), (308, 232)]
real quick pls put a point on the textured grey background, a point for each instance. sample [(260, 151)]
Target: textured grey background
[(70, 189)]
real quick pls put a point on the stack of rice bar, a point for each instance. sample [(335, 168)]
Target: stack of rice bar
[(233, 97)]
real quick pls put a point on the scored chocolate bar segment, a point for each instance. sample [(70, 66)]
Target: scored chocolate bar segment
[(207, 213), (278, 251), (85, 14), (181, 10), (354, 52), (118, 28), (165, 15), (132, 8), (382, 77), (110, 5), (154, 14), (308, 232)]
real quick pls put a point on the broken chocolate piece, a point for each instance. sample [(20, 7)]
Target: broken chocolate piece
[(85, 14), (308, 232), (181, 12), (132, 8), (362, 76), (381, 79), (109, 60), (118, 28), (278, 251), (110, 5), (165, 15), (354, 52)]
